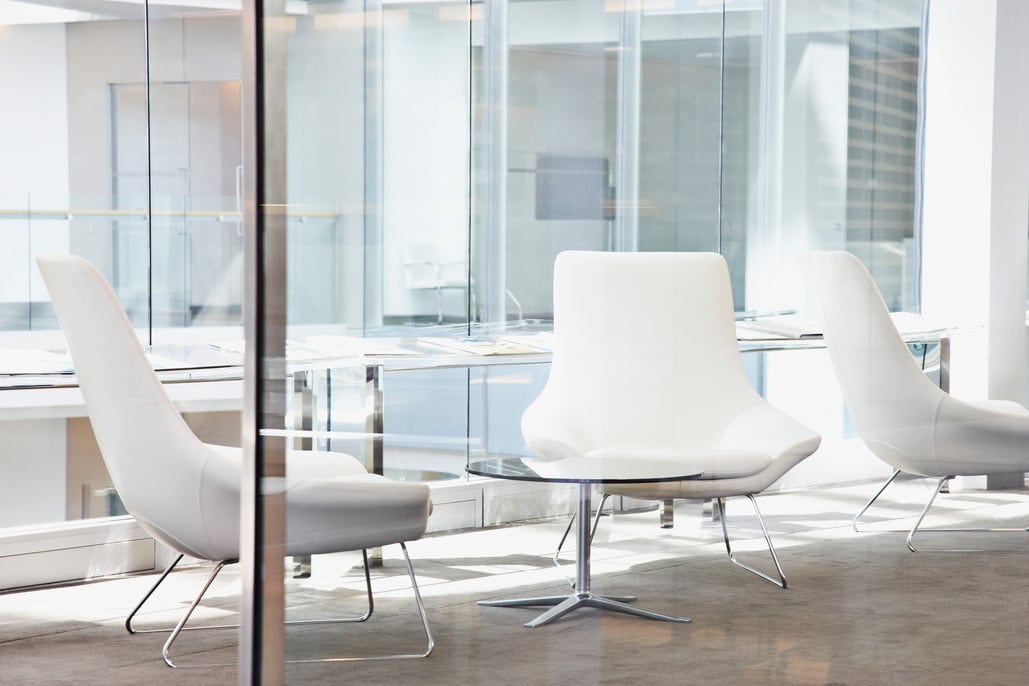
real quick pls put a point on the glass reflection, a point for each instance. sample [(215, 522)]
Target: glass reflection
[(438, 157), (124, 149)]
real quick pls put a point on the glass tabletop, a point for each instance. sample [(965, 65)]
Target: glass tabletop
[(586, 470)]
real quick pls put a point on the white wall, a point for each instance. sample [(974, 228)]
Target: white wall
[(326, 167), (814, 171), (34, 135), (802, 383), (425, 149), (976, 200), (34, 141), (102, 53), (34, 486)]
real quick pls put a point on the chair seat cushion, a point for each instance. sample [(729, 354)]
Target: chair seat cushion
[(332, 504), (1008, 406), (713, 463)]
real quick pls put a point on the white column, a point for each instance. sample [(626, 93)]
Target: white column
[(976, 196), (627, 162), (976, 185), (1009, 203), (764, 235), (492, 269)]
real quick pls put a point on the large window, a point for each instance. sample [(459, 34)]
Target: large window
[(752, 129)]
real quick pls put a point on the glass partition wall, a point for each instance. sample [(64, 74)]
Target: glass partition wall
[(461, 146), (125, 149), (437, 157), (122, 144)]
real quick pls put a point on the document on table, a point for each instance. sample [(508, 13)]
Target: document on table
[(345, 346), (482, 346), (780, 326), (911, 323), (797, 326), (294, 351), (542, 341), (162, 362), (33, 362)]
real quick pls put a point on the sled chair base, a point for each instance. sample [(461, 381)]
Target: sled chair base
[(181, 625)]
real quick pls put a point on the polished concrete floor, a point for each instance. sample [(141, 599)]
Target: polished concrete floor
[(860, 608)]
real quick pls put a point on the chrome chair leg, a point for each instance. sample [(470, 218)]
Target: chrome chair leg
[(925, 510), (166, 649), (941, 487), (128, 620), (666, 519), (430, 642), (875, 497), (181, 626), (164, 575), (160, 580), (568, 529), (781, 582)]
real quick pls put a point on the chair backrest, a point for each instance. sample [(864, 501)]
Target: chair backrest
[(156, 463), (891, 401), (421, 266), (645, 349)]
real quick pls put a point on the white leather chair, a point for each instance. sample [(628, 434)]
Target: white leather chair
[(185, 493), (902, 416), (646, 363)]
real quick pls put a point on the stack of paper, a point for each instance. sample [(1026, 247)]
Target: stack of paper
[(482, 346), (780, 326), (294, 351), (33, 362), (542, 341), (796, 326), (344, 346)]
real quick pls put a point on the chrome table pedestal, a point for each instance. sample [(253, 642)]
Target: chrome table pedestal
[(583, 596)]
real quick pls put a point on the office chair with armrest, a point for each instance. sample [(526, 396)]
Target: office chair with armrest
[(646, 363), (185, 493), (902, 416), (423, 270)]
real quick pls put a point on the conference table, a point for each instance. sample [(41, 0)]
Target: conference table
[(202, 369), (37, 360), (531, 345), (526, 346), (204, 366)]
